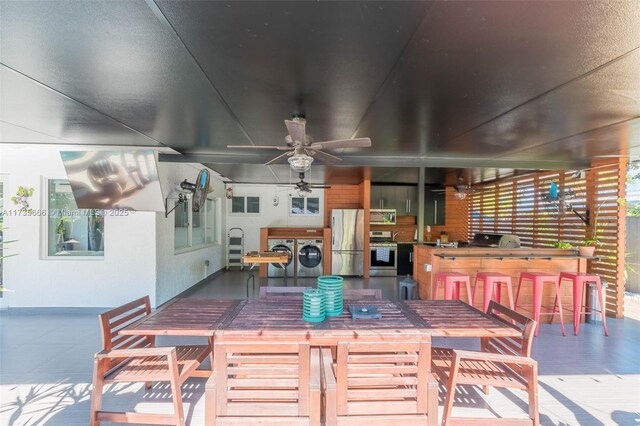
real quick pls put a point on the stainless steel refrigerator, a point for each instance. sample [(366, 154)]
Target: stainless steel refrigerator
[(347, 242)]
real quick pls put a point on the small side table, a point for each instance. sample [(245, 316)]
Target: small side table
[(257, 258)]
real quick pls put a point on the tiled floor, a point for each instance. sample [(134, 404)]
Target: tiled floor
[(46, 361)]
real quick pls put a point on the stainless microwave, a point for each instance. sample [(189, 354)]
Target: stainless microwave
[(382, 216)]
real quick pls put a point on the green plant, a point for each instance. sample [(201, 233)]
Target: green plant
[(563, 245)]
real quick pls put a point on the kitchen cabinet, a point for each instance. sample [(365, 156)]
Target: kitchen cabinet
[(402, 198), (405, 259), (434, 206)]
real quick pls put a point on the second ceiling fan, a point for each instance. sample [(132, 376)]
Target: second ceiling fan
[(301, 150)]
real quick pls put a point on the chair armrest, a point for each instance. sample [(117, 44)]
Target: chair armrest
[(327, 367), (490, 356), (137, 353), (314, 378)]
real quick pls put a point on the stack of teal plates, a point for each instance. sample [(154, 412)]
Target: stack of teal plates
[(332, 287), (313, 308)]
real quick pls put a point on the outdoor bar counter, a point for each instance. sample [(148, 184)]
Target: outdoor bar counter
[(430, 260)]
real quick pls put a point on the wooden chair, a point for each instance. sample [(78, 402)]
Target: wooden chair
[(264, 384), (379, 384), (502, 362), (135, 359), (282, 292), (362, 293)]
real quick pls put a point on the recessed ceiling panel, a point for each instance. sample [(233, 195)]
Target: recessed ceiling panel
[(120, 59), (273, 59)]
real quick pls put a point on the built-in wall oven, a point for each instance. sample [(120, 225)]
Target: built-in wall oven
[(383, 258)]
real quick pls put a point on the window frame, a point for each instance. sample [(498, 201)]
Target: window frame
[(44, 233), (305, 209), (216, 227), (230, 211)]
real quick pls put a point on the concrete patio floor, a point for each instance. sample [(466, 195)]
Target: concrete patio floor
[(46, 362)]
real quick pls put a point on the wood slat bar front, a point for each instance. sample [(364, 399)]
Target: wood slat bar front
[(454, 318), (184, 317)]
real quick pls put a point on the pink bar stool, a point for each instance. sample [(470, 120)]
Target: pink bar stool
[(451, 282), (580, 280), (492, 282), (538, 279)]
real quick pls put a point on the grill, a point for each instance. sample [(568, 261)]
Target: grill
[(495, 240)]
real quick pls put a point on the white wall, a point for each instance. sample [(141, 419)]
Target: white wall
[(270, 215), (178, 272), (126, 271), (139, 256)]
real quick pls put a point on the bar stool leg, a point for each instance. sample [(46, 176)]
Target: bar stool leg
[(448, 289), (475, 286), (487, 294), (456, 289), (578, 297), (468, 285), (537, 303), (510, 293), (434, 290), (559, 302), (602, 306), (518, 292), (497, 291)]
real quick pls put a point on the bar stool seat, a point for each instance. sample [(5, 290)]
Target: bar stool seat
[(451, 281), (538, 279), (579, 281), (492, 282)]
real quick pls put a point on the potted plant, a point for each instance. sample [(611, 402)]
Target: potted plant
[(588, 246)]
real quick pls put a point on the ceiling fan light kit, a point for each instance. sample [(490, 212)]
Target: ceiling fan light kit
[(300, 162)]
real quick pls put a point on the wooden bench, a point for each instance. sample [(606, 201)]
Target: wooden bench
[(282, 292), (264, 384), (362, 293), (135, 359), (379, 384), (502, 362)]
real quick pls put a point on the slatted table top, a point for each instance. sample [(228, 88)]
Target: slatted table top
[(454, 318), (185, 317), (266, 257), (270, 320)]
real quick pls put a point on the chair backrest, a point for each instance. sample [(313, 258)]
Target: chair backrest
[(262, 379), (282, 292), (111, 322), (521, 345), (382, 378), (362, 293)]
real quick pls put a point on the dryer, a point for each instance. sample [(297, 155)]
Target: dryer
[(285, 245), (309, 258)]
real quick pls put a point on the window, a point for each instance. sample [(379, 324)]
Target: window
[(72, 231), (305, 205), (245, 204), (195, 229)]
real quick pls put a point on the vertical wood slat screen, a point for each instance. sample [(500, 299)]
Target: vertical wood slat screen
[(517, 206)]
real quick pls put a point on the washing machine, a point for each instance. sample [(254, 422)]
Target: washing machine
[(275, 270), (309, 258)]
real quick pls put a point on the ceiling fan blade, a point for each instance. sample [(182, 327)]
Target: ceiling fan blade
[(284, 154), (325, 156), (320, 186), (344, 143), (278, 147), (296, 129)]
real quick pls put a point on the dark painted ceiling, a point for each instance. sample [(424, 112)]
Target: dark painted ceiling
[(495, 85)]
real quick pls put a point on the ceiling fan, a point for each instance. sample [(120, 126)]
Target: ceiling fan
[(301, 150), (303, 187), (462, 189)]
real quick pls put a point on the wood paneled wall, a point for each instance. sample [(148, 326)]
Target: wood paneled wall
[(342, 197), (518, 206)]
